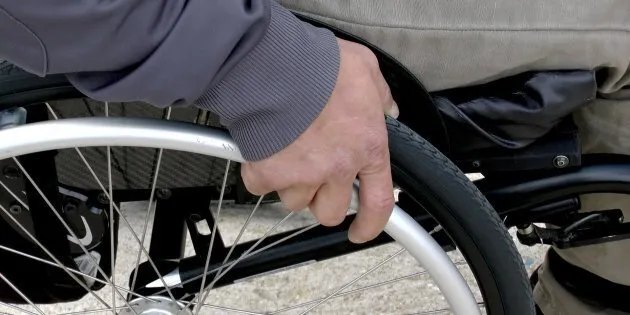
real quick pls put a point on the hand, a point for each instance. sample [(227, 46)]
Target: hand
[(348, 139)]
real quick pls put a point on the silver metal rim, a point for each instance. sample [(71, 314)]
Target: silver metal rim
[(169, 135)]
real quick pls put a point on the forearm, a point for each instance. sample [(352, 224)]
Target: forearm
[(265, 73)]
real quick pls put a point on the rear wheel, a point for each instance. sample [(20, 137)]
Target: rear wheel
[(112, 155), (56, 204)]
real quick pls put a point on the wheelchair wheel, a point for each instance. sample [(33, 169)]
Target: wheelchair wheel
[(59, 263), (424, 179)]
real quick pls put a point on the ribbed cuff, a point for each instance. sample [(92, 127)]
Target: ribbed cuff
[(273, 94)]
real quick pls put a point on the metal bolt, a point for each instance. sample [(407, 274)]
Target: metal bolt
[(561, 161), (228, 188), (476, 164), (102, 198), (164, 193), (15, 209), (11, 172), (69, 207)]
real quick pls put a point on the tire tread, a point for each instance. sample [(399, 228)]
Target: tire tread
[(502, 251)]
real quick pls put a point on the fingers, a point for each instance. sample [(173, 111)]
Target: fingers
[(376, 199), (297, 197), (389, 105), (331, 202)]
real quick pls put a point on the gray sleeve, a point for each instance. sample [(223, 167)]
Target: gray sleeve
[(264, 72)]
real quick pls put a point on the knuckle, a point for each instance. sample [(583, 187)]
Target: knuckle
[(384, 203), (246, 176), (369, 57), (251, 180), (364, 56), (380, 200)]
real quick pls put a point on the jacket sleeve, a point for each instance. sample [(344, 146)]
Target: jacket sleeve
[(264, 72)]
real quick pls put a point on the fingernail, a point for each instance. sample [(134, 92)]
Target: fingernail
[(354, 239), (393, 111)]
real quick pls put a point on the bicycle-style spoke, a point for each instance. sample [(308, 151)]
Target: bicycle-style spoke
[(14, 195), (121, 215), (236, 241), (214, 231), (292, 235), (240, 234), (210, 306), (95, 279), (68, 229), (444, 310), (120, 308), (225, 263), (231, 309), (57, 261), (20, 293), (344, 293), (347, 285), (15, 308), (357, 290), (129, 227), (243, 256), (250, 249), (111, 220), (341, 289), (149, 212)]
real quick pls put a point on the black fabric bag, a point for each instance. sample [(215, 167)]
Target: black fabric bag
[(513, 112)]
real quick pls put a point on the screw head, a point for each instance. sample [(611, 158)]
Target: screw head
[(102, 198), (561, 161), (69, 207), (15, 209), (164, 193), (228, 188), (11, 172)]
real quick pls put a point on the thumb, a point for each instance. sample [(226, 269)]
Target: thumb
[(376, 201), (393, 111)]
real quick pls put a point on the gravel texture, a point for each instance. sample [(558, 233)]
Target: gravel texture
[(412, 295)]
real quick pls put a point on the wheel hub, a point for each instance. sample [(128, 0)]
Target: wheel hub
[(156, 305)]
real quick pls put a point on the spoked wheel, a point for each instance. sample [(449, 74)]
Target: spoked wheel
[(66, 220)]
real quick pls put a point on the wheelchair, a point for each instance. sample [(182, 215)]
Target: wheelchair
[(69, 163)]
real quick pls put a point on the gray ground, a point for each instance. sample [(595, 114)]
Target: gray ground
[(410, 296)]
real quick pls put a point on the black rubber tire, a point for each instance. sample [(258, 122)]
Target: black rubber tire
[(419, 169), (18, 87), (428, 177)]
